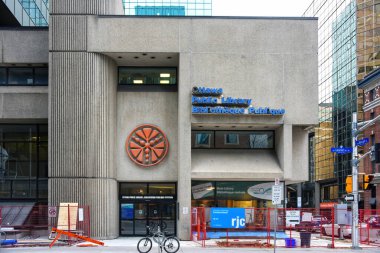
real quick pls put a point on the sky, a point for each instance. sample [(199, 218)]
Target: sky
[(285, 8)]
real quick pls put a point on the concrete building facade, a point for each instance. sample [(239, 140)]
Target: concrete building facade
[(233, 112)]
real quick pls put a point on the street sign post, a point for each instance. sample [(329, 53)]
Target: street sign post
[(276, 194), (362, 142), (276, 200), (357, 128), (349, 198), (341, 150)]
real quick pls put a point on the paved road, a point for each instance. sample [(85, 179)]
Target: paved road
[(120, 249), (129, 245)]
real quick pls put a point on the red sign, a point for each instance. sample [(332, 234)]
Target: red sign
[(147, 145), (327, 204)]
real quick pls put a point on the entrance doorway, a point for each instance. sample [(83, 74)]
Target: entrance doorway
[(135, 216), (147, 204)]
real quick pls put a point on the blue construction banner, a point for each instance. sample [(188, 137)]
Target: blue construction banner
[(227, 217)]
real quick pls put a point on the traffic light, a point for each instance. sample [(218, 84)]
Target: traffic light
[(367, 182), (375, 153), (349, 184)]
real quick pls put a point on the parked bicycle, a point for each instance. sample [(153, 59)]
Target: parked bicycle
[(169, 243)]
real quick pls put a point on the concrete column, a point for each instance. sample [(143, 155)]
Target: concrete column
[(317, 194), (184, 146), (284, 150), (82, 116)]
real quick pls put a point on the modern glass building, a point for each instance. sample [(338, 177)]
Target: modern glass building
[(168, 7), (347, 51), (337, 93), (27, 12)]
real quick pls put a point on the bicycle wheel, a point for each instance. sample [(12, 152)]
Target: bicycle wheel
[(144, 245), (171, 244)]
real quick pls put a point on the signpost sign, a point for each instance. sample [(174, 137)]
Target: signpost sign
[(227, 217), (276, 194), (276, 200), (349, 198), (341, 150), (362, 142)]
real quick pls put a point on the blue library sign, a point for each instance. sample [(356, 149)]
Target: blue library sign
[(227, 217)]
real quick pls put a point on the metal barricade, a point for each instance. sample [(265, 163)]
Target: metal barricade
[(296, 227), (37, 220)]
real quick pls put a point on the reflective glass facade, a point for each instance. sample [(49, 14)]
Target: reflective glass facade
[(24, 162), (349, 46), (29, 12), (337, 92), (168, 7)]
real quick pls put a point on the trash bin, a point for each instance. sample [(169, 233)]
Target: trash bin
[(305, 239), (8, 242), (290, 242)]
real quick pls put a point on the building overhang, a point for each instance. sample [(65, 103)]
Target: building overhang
[(247, 165)]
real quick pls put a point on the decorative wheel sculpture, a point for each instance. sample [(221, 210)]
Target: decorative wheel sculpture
[(147, 145)]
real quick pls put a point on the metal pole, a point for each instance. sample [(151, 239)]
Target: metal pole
[(355, 204), (275, 228)]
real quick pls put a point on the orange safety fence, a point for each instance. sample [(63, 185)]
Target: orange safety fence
[(198, 225)]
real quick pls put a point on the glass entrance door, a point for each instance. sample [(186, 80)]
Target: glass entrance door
[(136, 216)]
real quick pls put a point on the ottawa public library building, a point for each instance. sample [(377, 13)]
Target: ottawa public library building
[(143, 118)]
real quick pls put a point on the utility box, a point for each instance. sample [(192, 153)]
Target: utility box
[(341, 214)]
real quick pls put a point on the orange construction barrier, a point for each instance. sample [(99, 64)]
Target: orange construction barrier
[(84, 238)]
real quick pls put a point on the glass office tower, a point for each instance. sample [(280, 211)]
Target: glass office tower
[(168, 7), (29, 12), (337, 93), (349, 45)]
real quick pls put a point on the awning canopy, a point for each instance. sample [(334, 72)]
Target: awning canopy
[(257, 165)]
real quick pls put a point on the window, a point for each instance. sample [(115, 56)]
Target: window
[(20, 76), (147, 189), (23, 161), (23, 76), (3, 76), (233, 139), (41, 76), (149, 78), (261, 140), (202, 140)]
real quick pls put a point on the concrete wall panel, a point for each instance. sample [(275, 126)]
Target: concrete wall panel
[(301, 99), (300, 154), (24, 46), (114, 34), (24, 106), (156, 108)]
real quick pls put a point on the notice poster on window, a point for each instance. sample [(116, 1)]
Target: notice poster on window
[(202, 190), (263, 191)]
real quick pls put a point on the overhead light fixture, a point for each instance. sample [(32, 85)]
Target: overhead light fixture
[(137, 81), (164, 81), (164, 75)]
